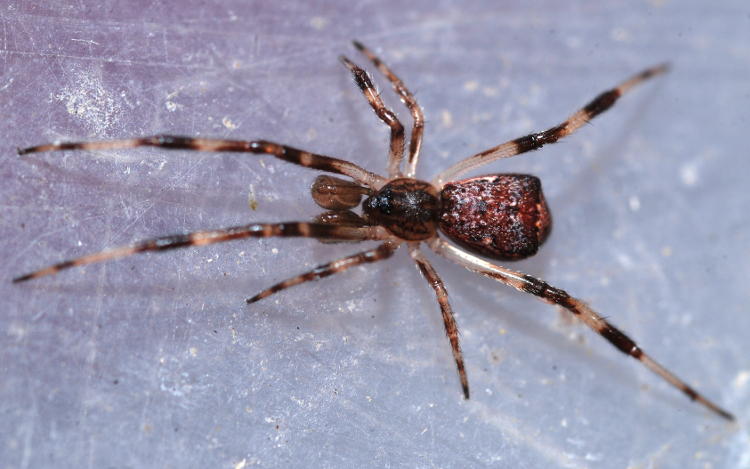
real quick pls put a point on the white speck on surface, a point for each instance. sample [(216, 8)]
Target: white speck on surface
[(228, 123), (251, 198), (319, 22), (621, 35), (742, 378), (625, 261), (491, 91), (446, 118), (90, 101), (18, 331), (689, 174), (635, 203)]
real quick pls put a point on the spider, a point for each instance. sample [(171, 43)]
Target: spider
[(498, 216)]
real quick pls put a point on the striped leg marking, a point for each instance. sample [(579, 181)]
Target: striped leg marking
[(549, 294), (386, 115), (537, 140), (202, 238), (384, 251), (415, 142), (172, 142), (451, 329)]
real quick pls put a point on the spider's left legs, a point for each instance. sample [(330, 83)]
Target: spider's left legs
[(451, 329), (396, 153), (172, 142), (384, 251), (415, 143), (549, 294), (202, 238)]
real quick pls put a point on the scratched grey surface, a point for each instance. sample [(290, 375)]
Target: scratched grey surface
[(156, 361)]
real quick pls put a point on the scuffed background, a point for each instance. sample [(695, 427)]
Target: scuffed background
[(156, 361)]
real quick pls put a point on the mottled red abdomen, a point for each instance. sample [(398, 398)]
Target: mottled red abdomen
[(503, 216)]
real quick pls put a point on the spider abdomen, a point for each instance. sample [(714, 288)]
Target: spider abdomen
[(406, 207), (501, 216)]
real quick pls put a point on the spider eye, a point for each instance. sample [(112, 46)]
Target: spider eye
[(383, 202)]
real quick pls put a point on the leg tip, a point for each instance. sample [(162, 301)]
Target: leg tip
[(23, 151), (348, 63), (723, 413), (22, 278)]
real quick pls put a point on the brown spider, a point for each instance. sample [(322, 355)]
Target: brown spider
[(499, 216)]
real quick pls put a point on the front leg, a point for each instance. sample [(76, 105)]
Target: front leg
[(386, 115), (263, 147)]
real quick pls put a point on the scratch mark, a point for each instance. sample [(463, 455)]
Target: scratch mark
[(166, 48), (4, 87), (87, 41)]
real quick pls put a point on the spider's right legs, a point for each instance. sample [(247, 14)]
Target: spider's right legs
[(282, 152), (201, 238), (415, 143), (547, 293), (384, 251), (538, 139)]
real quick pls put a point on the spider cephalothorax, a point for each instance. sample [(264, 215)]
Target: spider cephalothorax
[(408, 208)]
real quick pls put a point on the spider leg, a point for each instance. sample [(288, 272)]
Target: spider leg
[(415, 142), (549, 294), (171, 142), (201, 238), (537, 140), (384, 251), (451, 329), (386, 115)]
